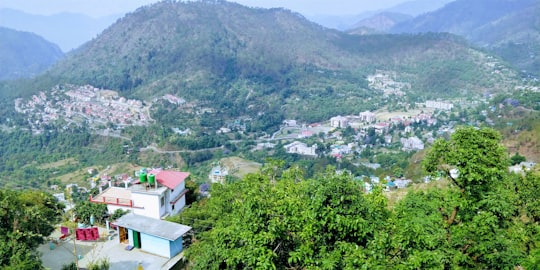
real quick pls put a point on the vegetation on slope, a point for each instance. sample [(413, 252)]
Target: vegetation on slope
[(261, 63), (24, 54), (486, 218)]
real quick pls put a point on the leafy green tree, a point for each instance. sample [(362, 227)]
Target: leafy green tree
[(472, 159), (288, 222), (477, 210), (517, 159), (26, 217), (84, 210)]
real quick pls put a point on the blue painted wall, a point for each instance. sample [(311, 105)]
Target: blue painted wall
[(156, 245), (176, 247)]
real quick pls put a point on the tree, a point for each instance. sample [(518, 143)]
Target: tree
[(484, 218), (290, 222), (478, 209), (517, 159), (26, 217), (84, 210), (472, 159)]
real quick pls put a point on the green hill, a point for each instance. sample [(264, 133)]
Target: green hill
[(510, 28), (25, 54), (266, 63)]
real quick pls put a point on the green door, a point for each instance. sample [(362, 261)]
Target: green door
[(136, 239)]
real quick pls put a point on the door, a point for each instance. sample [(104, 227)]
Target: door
[(136, 239), (123, 235)]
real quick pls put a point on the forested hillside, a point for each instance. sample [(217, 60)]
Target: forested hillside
[(508, 28), (243, 62), (24, 54)]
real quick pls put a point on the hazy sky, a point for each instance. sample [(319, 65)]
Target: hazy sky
[(98, 8)]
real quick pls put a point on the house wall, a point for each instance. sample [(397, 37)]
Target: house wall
[(150, 202), (130, 237), (156, 245), (180, 203), (178, 206), (179, 189), (175, 247)]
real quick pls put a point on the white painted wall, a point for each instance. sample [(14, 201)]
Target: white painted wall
[(149, 202)]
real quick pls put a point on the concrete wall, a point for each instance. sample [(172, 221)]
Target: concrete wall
[(150, 202), (180, 203), (179, 189), (130, 237), (176, 247), (155, 245)]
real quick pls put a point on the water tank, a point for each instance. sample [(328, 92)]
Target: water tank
[(151, 179), (142, 177)]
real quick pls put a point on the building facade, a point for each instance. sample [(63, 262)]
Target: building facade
[(158, 237), (157, 194)]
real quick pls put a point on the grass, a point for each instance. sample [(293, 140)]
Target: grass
[(240, 167), (58, 163), (395, 196)]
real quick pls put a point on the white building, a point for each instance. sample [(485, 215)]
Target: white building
[(367, 116), (157, 194), (339, 122), (290, 123), (412, 143), (440, 105), (402, 183), (301, 149), (218, 175), (522, 167)]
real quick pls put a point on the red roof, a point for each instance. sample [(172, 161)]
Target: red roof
[(170, 179)]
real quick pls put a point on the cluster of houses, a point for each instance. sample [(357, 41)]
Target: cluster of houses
[(77, 104), (385, 81), (361, 123)]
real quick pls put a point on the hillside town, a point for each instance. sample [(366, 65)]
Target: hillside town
[(82, 104)]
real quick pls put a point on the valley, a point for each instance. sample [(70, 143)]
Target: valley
[(291, 145)]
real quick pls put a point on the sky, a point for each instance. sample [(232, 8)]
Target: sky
[(100, 8)]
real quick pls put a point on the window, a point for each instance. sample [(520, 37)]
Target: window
[(162, 201), (173, 207)]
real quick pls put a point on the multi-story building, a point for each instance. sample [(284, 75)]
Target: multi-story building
[(412, 143), (339, 122), (301, 148), (440, 105), (367, 116), (157, 194)]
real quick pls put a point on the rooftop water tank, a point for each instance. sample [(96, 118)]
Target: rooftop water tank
[(142, 177), (151, 179)]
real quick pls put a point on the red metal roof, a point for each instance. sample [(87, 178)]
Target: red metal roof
[(170, 179)]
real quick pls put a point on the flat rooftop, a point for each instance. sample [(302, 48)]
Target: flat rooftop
[(156, 227), (122, 196), (91, 251)]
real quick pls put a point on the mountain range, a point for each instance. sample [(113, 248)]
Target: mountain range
[(244, 61), (25, 54), (348, 22), (509, 28), (232, 61), (68, 30)]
